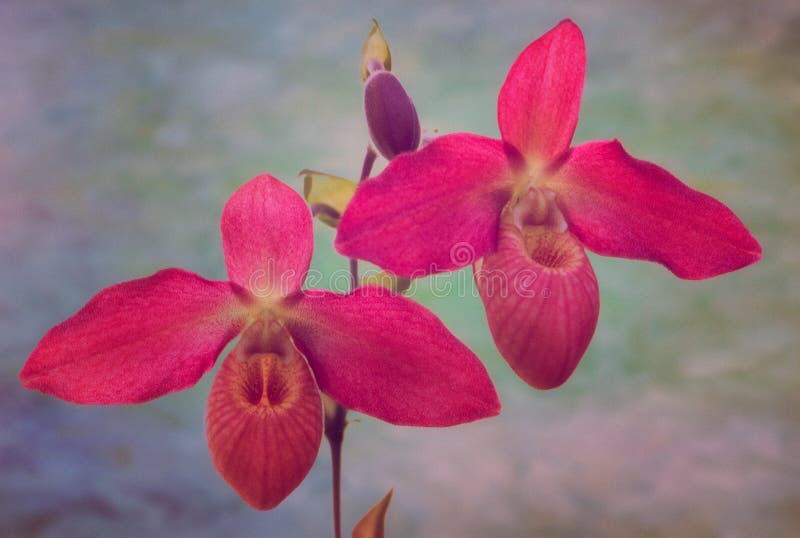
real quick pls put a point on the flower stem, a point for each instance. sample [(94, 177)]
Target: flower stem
[(336, 413), (335, 423), (369, 160)]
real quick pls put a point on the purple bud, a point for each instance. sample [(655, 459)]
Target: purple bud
[(391, 117)]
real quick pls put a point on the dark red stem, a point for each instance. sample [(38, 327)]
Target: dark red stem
[(336, 415)]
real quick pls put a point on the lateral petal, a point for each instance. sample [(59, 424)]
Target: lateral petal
[(387, 356), (432, 210), (264, 417), (621, 206), (539, 103), (138, 340), (267, 237), (542, 302)]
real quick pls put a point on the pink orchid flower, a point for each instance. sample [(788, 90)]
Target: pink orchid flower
[(528, 204), (383, 355)]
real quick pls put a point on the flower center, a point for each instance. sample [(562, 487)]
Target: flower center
[(537, 207), (542, 229), (556, 250), (265, 353), (263, 381)]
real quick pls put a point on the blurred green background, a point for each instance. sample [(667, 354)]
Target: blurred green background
[(124, 127)]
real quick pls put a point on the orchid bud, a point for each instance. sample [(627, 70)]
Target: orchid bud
[(391, 117)]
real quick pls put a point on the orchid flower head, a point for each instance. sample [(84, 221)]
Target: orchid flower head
[(528, 204), (371, 351)]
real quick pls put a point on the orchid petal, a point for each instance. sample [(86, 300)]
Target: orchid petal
[(387, 356), (138, 340), (430, 211), (264, 417), (542, 303), (267, 237), (620, 206), (538, 105)]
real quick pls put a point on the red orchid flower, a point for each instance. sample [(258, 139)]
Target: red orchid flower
[(528, 204), (383, 355)]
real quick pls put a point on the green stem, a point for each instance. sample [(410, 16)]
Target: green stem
[(336, 413)]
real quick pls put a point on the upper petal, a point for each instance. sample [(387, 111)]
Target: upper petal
[(264, 417), (542, 302), (620, 206), (267, 237), (138, 340), (429, 207), (539, 103), (387, 356)]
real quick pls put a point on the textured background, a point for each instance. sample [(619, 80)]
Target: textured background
[(124, 129)]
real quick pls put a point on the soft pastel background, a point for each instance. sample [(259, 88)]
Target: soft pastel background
[(123, 129)]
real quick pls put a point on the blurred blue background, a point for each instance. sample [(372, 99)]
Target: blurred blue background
[(124, 127)]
